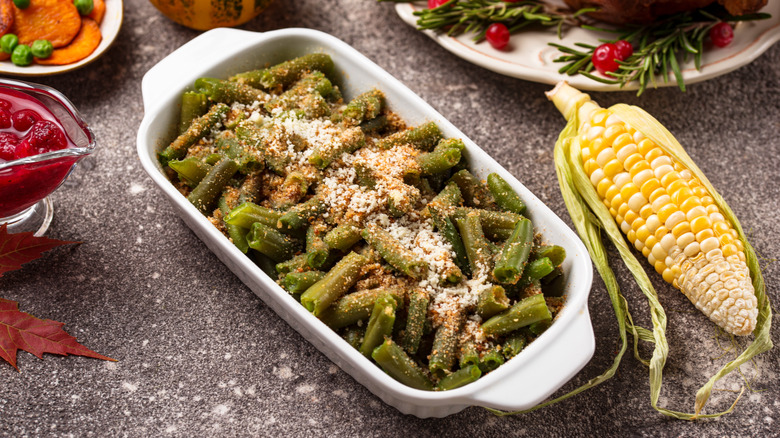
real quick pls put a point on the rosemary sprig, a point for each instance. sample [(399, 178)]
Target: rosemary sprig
[(660, 47), (474, 16)]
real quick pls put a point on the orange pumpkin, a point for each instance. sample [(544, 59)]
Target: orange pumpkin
[(208, 14)]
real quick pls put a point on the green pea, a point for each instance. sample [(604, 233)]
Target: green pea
[(22, 4), (8, 42), (41, 48), (22, 55), (84, 6)]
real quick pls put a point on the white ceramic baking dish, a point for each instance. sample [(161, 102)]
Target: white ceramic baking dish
[(543, 367)]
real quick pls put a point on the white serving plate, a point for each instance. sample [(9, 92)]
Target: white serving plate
[(543, 367), (529, 56), (109, 29)]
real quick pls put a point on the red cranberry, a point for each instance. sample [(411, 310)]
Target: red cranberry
[(722, 34), (24, 119), (624, 49), (5, 119), (45, 136), (497, 35), (4, 104), (435, 3), (8, 144), (605, 58)]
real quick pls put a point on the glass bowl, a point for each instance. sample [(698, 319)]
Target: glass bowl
[(26, 183)]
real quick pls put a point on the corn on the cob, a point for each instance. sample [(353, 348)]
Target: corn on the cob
[(665, 211)]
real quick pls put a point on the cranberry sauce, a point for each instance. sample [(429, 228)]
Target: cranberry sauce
[(28, 128)]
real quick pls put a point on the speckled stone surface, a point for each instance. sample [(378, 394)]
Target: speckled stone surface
[(200, 355)]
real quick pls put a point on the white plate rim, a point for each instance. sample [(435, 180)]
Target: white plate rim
[(530, 57), (109, 29)]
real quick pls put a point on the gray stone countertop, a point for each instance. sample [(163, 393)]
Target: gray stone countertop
[(200, 355)]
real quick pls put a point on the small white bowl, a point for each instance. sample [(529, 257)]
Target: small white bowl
[(523, 382)]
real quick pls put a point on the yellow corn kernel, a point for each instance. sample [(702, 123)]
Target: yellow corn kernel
[(700, 223), (681, 195), (613, 168), (589, 166), (681, 228), (660, 232), (646, 211), (650, 186), (654, 153), (645, 145), (599, 117), (666, 211), (669, 178), (705, 234), (628, 190), (721, 228), (730, 250), (675, 186), (632, 160), (611, 133), (603, 186), (689, 203), (621, 140)]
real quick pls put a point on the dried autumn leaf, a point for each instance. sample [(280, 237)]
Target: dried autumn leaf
[(19, 248), (22, 331)]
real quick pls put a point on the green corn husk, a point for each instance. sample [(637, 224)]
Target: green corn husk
[(590, 217)]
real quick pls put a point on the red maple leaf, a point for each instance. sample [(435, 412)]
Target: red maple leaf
[(22, 331), (19, 248)]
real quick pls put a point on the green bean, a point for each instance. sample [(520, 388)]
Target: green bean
[(205, 194), (343, 236), (449, 231), (445, 343), (459, 378), (495, 224), (190, 170), (237, 234), (253, 138), (365, 175), (415, 320), (306, 95), (539, 327), (356, 306), (270, 242), (298, 282), (523, 313), (351, 140), (448, 196), (300, 215), (292, 190), (491, 360), (317, 250), (248, 213), (555, 253), (228, 92), (335, 283), (363, 107), (492, 300), (193, 105), (423, 137), (506, 198), (395, 362), (295, 264), (513, 345), (197, 130), (439, 160), (477, 249), (396, 255), (536, 270), (514, 255), (286, 73), (228, 143), (475, 194), (374, 125), (468, 355), (380, 324), (250, 188)]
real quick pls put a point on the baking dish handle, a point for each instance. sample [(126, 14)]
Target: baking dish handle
[(167, 74), (572, 350)]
